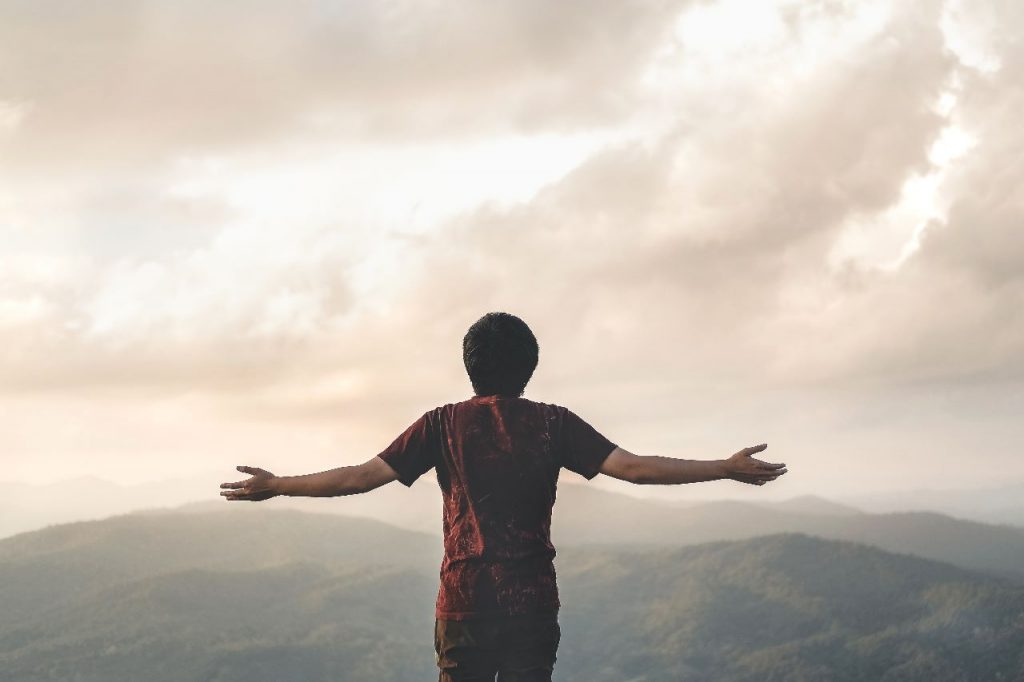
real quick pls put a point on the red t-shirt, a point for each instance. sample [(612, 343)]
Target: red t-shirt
[(497, 460)]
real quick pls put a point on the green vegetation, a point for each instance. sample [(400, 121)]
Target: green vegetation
[(786, 607), (994, 549), (258, 594)]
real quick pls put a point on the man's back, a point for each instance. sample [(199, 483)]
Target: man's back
[(497, 459)]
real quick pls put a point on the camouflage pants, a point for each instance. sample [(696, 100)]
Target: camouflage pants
[(515, 648)]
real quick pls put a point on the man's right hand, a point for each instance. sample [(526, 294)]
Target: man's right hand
[(743, 467)]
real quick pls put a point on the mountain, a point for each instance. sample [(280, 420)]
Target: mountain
[(992, 504), (588, 514), (812, 504), (261, 594), (27, 506), (88, 556), (594, 517), (786, 607)]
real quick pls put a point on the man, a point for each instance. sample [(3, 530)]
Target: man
[(497, 457)]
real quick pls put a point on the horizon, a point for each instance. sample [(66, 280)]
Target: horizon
[(71, 500)]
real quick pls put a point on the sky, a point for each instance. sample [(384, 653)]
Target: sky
[(256, 232)]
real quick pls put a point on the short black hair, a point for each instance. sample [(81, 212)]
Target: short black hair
[(500, 353)]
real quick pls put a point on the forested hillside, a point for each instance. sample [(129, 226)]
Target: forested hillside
[(258, 594)]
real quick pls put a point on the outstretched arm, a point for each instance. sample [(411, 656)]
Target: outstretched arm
[(651, 469), (347, 480)]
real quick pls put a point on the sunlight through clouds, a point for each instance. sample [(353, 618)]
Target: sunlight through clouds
[(11, 115), (729, 208)]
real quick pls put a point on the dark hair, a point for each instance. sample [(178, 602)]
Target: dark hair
[(500, 353)]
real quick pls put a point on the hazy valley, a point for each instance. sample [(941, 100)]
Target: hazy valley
[(257, 593)]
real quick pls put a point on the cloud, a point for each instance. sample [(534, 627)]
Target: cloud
[(131, 82), (729, 218), (707, 248), (298, 218), (947, 312)]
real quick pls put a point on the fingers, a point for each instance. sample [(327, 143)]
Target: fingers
[(763, 473), (254, 471), (754, 449), (247, 495), (759, 478), (238, 490), (770, 466)]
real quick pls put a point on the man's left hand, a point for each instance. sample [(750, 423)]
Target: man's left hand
[(256, 489)]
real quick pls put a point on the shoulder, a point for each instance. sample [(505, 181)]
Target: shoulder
[(550, 407), (433, 416), (551, 412), (446, 410), (520, 401), (530, 401)]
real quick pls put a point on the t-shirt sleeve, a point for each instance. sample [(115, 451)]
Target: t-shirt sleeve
[(416, 450), (583, 448)]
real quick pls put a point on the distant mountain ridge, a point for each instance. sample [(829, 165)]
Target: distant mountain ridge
[(586, 514), (995, 549), (93, 555), (261, 594), (26, 507)]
